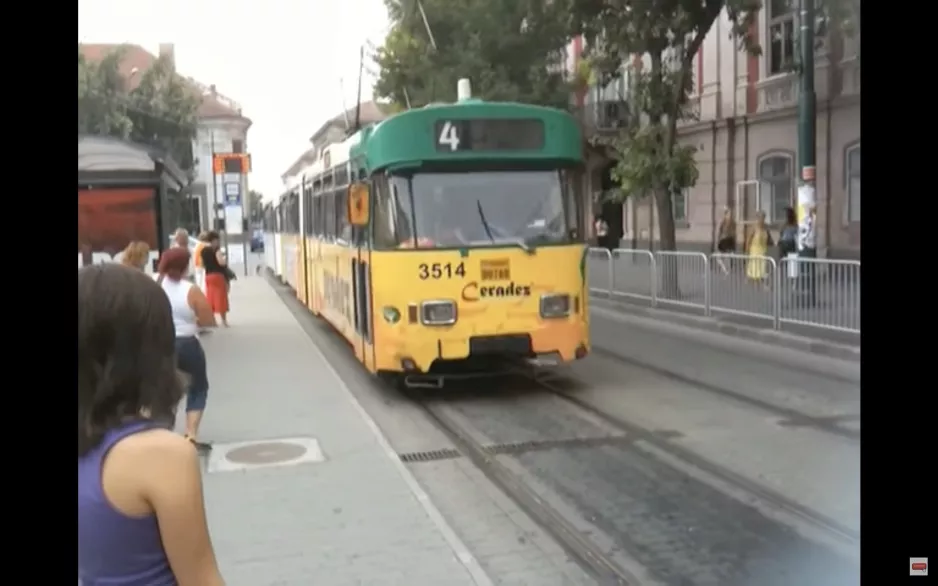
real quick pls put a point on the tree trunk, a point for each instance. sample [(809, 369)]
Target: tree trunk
[(669, 285)]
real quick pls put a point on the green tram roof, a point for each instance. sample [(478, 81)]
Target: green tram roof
[(409, 139)]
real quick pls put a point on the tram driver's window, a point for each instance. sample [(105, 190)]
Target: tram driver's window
[(383, 220), (400, 209)]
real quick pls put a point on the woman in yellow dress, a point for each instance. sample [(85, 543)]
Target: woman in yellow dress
[(757, 247)]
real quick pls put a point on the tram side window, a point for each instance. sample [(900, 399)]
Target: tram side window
[(311, 212), (343, 228), (316, 215), (296, 213), (321, 211), (328, 216)]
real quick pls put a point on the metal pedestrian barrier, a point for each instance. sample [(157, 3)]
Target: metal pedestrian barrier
[(813, 293)]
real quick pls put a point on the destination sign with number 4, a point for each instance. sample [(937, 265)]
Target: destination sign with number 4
[(489, 134)]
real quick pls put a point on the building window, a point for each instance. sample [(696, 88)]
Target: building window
[(679, 205), (781, 46), (776, 193), (237, 146), (853, 183)]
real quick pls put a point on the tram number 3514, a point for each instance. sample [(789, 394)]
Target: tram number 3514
[(441, 270)]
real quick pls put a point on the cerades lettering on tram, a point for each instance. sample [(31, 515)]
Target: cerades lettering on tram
[(337, 293), (474, 292), (441, 270)]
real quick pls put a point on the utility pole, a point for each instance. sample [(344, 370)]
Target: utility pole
[(807, 143), (216, 205)]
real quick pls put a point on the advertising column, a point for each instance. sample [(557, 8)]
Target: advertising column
[(232, 168)]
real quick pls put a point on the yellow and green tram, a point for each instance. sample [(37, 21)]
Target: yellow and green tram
[(444, 240)]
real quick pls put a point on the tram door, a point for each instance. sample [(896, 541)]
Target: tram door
[(359, 206), (302, 285)]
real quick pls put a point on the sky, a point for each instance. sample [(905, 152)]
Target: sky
[(280, 59)]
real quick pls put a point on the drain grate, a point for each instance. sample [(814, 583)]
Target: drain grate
[(430, 455), (540, 445)]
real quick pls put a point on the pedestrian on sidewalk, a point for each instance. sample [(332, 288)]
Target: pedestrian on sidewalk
[(136, 255), (181, 238), (757, 247), (216, 276), (191, 312), (197, 261), (141, 515), (726, 239)]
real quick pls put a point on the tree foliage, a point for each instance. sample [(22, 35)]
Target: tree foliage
[(510, 49), (666, 34), (161, 110)]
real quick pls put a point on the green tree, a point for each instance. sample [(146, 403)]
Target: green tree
[(668, 34), (162, 110), (101, 97), (510, 49)]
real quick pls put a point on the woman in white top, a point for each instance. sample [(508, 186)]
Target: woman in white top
[(191, 312)]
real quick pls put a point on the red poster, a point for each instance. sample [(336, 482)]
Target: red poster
[(109, 219)]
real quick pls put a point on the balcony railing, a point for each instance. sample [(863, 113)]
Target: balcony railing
[(604, 117)]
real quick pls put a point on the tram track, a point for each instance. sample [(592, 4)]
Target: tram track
[(580, 548), (622, 436), (773, 498), (625, 502)]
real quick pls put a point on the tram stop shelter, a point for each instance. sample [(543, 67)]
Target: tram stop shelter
[(126, 191)]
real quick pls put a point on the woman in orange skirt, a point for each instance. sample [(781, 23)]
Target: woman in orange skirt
[(216, 282)]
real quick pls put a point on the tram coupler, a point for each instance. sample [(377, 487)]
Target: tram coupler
[(423, 381)]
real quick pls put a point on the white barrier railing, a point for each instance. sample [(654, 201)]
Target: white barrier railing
[(818, 293)]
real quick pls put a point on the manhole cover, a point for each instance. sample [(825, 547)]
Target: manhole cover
[(265, 453), (269, 453)]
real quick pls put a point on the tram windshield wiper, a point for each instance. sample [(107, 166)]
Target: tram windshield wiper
[(485, 224)]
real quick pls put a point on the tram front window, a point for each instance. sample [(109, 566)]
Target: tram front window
[(486, 208)]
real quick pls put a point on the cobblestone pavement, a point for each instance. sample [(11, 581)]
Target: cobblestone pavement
[(744, 483), (353, 516)]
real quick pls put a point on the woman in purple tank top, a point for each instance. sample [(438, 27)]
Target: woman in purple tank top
[(141, 517)]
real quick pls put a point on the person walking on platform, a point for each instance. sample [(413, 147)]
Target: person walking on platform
[(216, 276), (136, 255), (197, 261), (181, 238), (191, 312), (141, 514)]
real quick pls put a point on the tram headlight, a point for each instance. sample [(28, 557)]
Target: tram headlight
[(439, 312), (555, 305)]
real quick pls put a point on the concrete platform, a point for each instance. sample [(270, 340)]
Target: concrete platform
[(301, 487)]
